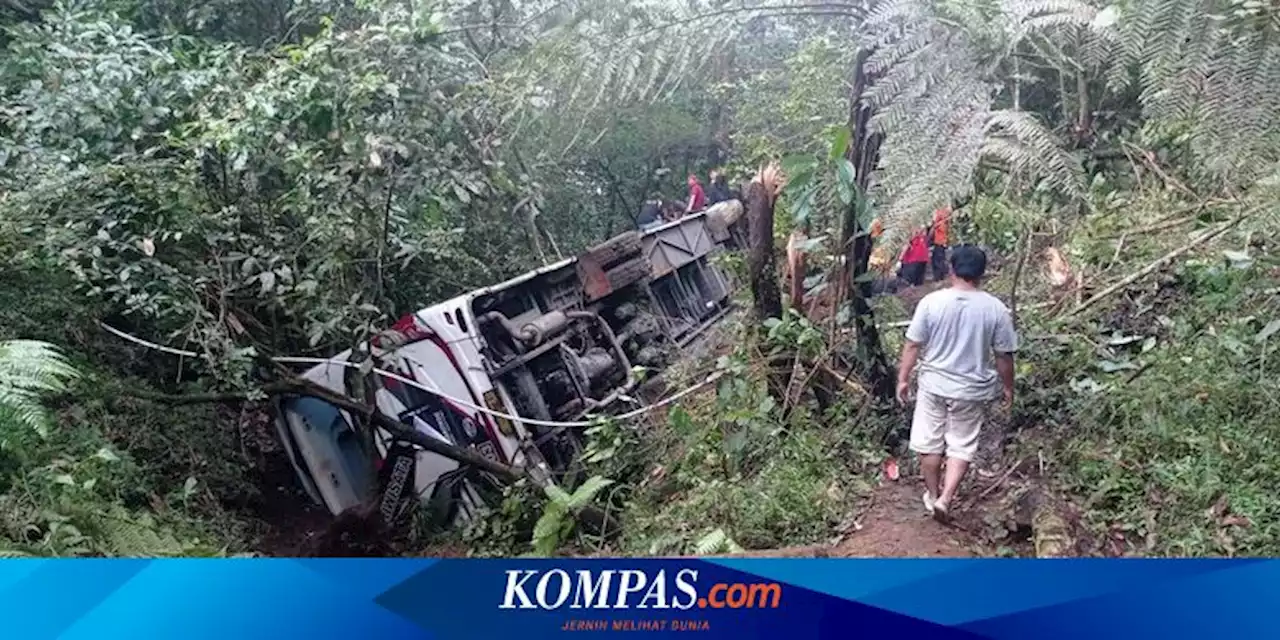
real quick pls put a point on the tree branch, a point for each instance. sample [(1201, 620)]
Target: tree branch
[(1145, 271)]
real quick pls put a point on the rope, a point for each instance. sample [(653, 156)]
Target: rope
[(715, 375)]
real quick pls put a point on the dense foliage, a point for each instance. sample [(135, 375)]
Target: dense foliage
[(241, 177)]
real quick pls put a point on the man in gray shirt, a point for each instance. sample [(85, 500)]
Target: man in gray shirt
[(963, 339)]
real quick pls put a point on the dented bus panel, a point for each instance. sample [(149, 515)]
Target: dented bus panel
[(551, 345)]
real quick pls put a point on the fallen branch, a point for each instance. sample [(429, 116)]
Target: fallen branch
[(1116, 256), (1169, 180), (1141, 370), (1151, 268), (1169, 224), (1171, 220), (844, 381), (1061, 337), (998, 483)]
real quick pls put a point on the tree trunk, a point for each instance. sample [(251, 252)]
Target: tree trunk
[(1017, 85), (864, 154), (1084, 114), (762, 271), (721, 116)]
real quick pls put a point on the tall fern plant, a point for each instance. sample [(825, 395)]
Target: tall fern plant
[(1212, 69), (29, 370), (937, 70)]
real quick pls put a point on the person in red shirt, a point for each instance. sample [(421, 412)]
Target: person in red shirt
[(697, 197), (915, 259)]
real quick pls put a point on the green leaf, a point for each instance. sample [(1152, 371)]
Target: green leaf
[(546, 532), (803, 207), (847, 185), (865, 212), (839, 143), (797, 166), (602, 455), (735, 443), (711, 543), (557, 495), (767, 404), (584, 494)]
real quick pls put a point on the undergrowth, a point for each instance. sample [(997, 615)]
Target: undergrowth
[(1155, 410), (110, 476)]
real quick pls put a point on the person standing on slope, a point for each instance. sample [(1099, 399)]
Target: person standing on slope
[(964, 340), (915, 259), (941, 229)]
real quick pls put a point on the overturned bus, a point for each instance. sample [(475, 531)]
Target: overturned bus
[(551, 345)]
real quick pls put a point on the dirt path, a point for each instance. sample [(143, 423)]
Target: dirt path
[(895, 525)]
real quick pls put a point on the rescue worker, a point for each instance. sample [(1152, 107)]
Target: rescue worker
[(915, 259), (963, 340), (940, 231)]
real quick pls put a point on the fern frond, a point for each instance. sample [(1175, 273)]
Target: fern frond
[(716, 542), (30, 369), (1028, 147)]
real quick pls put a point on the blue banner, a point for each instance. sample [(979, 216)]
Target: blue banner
[(723, 598)]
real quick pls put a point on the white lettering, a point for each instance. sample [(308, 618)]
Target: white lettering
[(515, 589), (541, 592), (657, 591), (686, 587), (588, 590), (632, 582)]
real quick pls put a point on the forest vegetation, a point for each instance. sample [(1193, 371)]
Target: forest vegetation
[(244, 178)]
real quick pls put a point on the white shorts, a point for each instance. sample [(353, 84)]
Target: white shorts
[(943, 425)]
